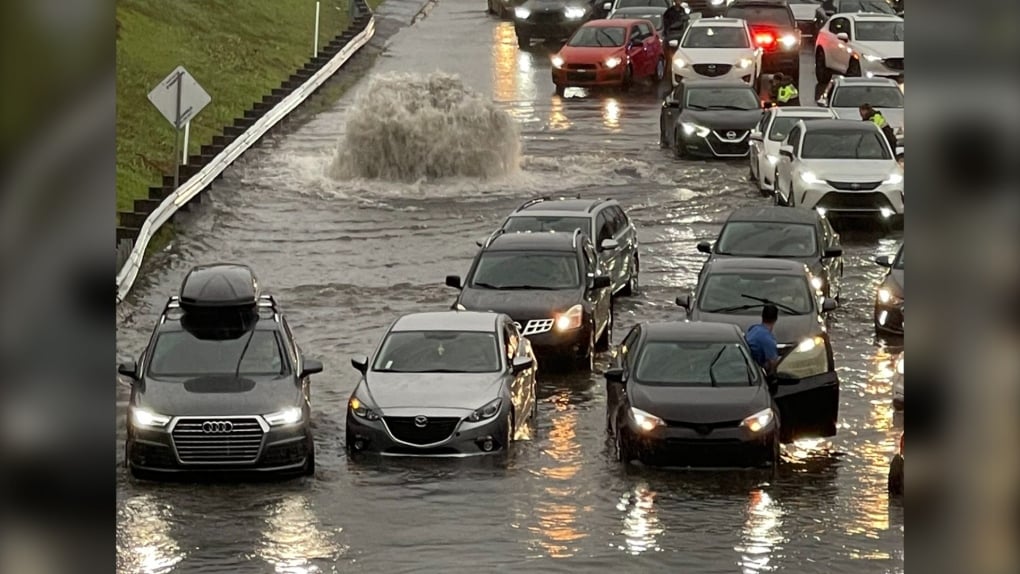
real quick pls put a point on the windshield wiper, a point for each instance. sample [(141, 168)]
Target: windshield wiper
[(484, 285), (440, 371), (734, 308), (727, 107), (711, 366), (781, 306)]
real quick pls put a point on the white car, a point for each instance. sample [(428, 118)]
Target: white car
[(841, 167), (845, 95), (864, 45), (770, 133), (610, 7), (716, 49)]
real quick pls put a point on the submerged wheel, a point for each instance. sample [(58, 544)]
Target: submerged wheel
[(631, 287), (679, 151), (309, 469), (624, 453), (822, 72), (660, 70), (586, 362), (606, 340), (628, 77), (560, 89)]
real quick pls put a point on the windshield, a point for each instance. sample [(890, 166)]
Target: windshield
[(878, 96), (762, 15), (637, 3), (693, 364), (183, 354), (655, 19), (782, 125), (598, 37), (767, 239), (527, 270), (879, 31), (557, 223), (438, 352), (709, 37), (845, 144), (879, 6), (722, 99), (725, 293)]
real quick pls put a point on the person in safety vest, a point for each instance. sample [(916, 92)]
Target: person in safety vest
[(870, 114), (785, 92)]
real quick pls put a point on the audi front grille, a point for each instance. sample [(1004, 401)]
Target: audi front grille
[(218, 440), (433, 430)]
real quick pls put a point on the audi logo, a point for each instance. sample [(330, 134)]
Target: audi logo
[(217, 427), (420, 421)]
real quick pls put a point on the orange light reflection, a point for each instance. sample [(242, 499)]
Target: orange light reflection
[(761, 533), (558, 514)]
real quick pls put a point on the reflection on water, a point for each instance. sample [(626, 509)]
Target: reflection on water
[(641, 525), (557, 513), (144, 541), (611, 113), (761, 533), (292, 539), (512, 72), (557, 119)]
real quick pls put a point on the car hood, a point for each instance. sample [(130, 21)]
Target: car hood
[(813, 262), (714, 55), (218, 395), (850, 170), (789, 328), (895, 281), (588, 55), (802, 12), (892, 115), (722, 119), (395, 392), (520, 305), (881, 49), (550, 5), (701, 404)]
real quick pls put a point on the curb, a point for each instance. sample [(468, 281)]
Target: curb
[(424, 11)]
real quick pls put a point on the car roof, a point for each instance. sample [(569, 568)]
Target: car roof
[(690, 331), (639, 10), (612, 23), (870, 16), (733, 22), (877, 81), (757, 264), (561, 205), (838, 125), (446, 321), (538, 241), (715, 84), (774, 213), (803, 111)]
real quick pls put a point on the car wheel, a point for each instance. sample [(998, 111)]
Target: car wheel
[(679, 151), (309, 469), (586, 361), (624, 453), (606, 340), (631, 288), (660, 70), (523, 42), (628, 77), (822, 72), (560, 89), (854, 68)]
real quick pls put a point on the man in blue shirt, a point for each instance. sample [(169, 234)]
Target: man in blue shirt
[(762, 343)]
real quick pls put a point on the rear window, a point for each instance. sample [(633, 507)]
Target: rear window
[(762, 15), (878, 96)]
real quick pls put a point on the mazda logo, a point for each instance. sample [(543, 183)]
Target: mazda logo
[(420, 421), (731, 134), (217, 427), (711, 66)]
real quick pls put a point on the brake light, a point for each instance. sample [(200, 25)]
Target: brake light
[(764, 39)]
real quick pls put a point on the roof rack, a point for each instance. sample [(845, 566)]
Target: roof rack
[(218, 286), (598, 201), (533, 201), (493, 237)]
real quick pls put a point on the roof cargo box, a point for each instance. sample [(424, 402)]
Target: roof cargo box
[(220, 285)]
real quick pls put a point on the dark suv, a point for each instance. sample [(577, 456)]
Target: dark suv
[(774, 30), (550, 19), (604, 220), (222, 386), (549, 284)]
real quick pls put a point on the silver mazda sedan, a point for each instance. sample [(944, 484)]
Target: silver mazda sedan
[(451, 383)]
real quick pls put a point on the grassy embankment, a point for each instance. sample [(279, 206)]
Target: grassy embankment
[(238, 52)]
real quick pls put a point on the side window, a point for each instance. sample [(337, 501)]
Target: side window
[(291, 344), (635, 33), (604, 226), (620, 218), (512, 342), (646, 31), (763, 123), (794, 139)]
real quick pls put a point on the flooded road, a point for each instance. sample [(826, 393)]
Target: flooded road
[(345, 257)]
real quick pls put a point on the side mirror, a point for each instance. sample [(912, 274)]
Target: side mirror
[(521, 364), (608, 245), (128, 369), (454, 281), (786, 151), (480, 242), (829, 304), (674, 43), (360, 363), (310, 367), (843, 37), (755, 136), (684, 301), (607, 6), (705, 247), (601, 282), (614, 375), (883, 261)]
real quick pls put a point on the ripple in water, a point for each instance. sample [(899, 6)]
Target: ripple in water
[(407, 127)]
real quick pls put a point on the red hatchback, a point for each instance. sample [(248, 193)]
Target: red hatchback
[(609, 53)]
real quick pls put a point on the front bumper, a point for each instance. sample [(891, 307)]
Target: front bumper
[(546, 29), (716, 145), (884, 201), (731, 73), (570, 343), (891, 68), (392, 437), (686, 446), (589, 77)]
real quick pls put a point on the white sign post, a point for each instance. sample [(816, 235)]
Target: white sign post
[(315, 42), (179, 98)]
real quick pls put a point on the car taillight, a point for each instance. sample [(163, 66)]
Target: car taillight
[(765, 39)]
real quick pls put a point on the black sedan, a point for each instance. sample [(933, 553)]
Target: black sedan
[(889, 297), (801, 235), (709, 118), (549, 19), (689, 394)]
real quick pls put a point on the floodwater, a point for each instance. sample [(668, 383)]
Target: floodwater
[(346, 256)]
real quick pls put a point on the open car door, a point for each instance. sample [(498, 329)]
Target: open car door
[(807, 391)]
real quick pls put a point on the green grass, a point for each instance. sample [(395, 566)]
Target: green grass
[(237, 51)]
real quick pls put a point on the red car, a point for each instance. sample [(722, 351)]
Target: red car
[(609, 53)]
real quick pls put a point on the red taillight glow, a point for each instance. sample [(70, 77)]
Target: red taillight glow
[(764, 39)]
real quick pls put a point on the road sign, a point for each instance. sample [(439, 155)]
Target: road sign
[(192, 98)]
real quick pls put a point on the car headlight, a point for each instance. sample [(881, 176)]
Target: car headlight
[(773, 159), (522, 12), (571, 319), (679, 62), (573, 12), (557, 62), (690, 128), (808, 359), (817, 283), (788, 40), (145, 418), (810, 178), (490, 410), (287, 416), (759, 421), (716, 2), (613, 62), (872, 58), (886, 296), (893, 179), (744, 63), (361, 410), (899, 365), (646, 421)]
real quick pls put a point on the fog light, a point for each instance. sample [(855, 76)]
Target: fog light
[(882, 317), (359, 444), (486, 443), (886, 212)]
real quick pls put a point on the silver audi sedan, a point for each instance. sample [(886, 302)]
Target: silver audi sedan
[(450, 383)]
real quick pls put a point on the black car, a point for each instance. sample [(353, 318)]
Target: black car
[(774, 30), (829, 7), (707, 8), (549, 284), (801, 235), (889, 296), (222, 385), (710, 118), (734, 291), (503, 8), (549, 19), (603, 220), (689, 394)]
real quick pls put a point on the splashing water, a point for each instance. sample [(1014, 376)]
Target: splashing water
[(406, 127)]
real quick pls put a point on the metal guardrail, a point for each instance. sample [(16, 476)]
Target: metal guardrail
[(194, 185)]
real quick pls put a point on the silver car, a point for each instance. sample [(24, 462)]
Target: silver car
[(452, 383)]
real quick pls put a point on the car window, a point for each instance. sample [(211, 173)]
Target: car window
[(762, 15), (878, 96), (598, 37), (537, 223), (189, 353), (794, 140), (783, 124), (715, 37), (710, 98), (646, 30), (884, 31), (635, 33), (605, 227), (763, 122), (628, 345), (713, 364), (620, 218), (767, 239), (898, 261), (727, 291), (840, 25), (438, 352), (843, 144)]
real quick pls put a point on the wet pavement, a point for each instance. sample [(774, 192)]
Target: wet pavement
[(344, 258)]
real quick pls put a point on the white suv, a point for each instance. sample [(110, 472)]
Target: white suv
[(716, 49), (770, 133), (839, 166), (865, 45)]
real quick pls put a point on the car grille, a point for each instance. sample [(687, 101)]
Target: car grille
[(581, 75), (554, 17), (735, 147), (536, 326), (854, 185), (581, 66), (893, 63), (839, 201), (196, 444), (435, 430), (703, 428), (712, 70)]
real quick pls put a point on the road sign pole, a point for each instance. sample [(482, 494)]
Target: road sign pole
[(315, 42), (177, 133), (187, 132)]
